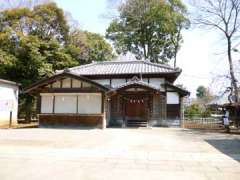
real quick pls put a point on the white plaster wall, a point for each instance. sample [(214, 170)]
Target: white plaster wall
[(86, 85), (172, 98), (57, 84), (90, 103), (157, 82), (76, 83), (66, 83), (117, 82), (8, 102), (65, 103), (145, 80), (46, 103), (103, 81)]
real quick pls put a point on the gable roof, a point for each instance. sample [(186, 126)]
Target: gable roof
[(63, 75), (121, 67)]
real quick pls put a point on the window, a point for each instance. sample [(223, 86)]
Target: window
[(90, 103), (47, 104), (66, 104)]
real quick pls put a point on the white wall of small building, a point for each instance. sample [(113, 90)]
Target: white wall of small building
[(173, 98), (8, 102), (157, 82)]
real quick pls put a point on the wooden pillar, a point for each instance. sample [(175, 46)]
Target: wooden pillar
[(182, 112), (104, 121), (108, 110), (124, 112)]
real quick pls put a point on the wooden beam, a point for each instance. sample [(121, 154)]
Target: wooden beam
[(103, 99), (71, 82), (70, 90)]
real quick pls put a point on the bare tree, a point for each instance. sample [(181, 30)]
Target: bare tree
[(224, 17)]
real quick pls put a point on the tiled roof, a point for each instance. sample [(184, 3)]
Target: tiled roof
[(122, 67)]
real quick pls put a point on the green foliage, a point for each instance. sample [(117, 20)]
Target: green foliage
[(201, 92), (87, 47), (45, 21), (193, 110), (36, 42), (7, 61), (149, 29), (196, 110), (49, 21)]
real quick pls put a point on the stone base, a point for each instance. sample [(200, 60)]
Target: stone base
[(166, 123)]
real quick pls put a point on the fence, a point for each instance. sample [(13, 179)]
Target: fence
[(203, 123)]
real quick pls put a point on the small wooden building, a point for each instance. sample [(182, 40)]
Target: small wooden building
[(111, 93), (8, 101)]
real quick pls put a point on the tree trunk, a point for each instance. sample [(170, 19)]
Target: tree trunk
[(28, 108), (233, 78), (175, 59)]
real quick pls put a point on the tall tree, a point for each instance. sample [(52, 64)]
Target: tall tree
[(201, 92), (224, 17), (32, 45), (34, 42), (45, 21), (11, 4), (90, 46), (150, 29)]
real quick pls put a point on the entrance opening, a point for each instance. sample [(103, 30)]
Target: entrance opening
[(136, 111)]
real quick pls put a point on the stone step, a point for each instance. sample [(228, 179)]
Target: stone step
[(137, 123)]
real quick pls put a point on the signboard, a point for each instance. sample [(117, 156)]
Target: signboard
[(6, 105)]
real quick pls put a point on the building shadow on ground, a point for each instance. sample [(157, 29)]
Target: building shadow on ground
[(230, 147), (227, 143)]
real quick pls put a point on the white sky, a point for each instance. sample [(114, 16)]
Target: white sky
[(201, 57)]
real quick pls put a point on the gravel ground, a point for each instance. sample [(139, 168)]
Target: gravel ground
[(89, 154)]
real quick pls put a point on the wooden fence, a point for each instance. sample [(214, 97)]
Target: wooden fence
[(203, 123)]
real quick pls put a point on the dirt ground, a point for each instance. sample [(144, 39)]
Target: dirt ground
[(90, 154)]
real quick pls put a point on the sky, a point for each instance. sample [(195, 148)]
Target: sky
[(201, 57)]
